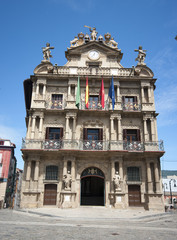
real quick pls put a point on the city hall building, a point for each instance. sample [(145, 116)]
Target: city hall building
[(91, 130)]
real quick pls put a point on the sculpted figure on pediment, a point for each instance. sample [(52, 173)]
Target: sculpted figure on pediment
[(77, 41), (141, 55), (46, 52), (113, 43), (93, 32)]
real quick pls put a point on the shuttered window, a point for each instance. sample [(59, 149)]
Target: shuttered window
[(54, 133), (133, 174)]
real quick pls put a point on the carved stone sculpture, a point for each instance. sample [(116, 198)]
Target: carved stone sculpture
[(47, 53), (141, 55), (107, 37), (74, 42), (113, 43), (67, 180), (93, 32), (116, 182)]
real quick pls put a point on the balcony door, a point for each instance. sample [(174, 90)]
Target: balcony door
[(53, 138), (93, 139), (94, 102)]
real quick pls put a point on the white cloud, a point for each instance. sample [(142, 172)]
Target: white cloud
[(14, 135)]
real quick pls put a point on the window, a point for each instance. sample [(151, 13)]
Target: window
[(131, 135), (1, 142), (129, 103), (54, 133), (133, 174), (57, 101), (93, 139), (51, 173)]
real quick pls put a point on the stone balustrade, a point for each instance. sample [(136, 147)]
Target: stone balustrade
[(92, 145)]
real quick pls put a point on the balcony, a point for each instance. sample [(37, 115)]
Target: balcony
[(94, 105), (131, 106), (83, 71), (56, 105), (92, 145)]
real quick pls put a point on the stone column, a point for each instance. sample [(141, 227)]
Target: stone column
[(44, 90), (142, 94), (33, 126), (74, 128), (112, 174), (149, 94), (36, 171), (73, 174), (155, 126), (157, 180), (152, 130), (69, 90), (118, 92), (149, 178), (37, 89), (119, 130), (121, 169), (145, 130), (29, 127), (75, 91), (41, 126), (67, 127), (112, 128), (28, 171), (65, 167)]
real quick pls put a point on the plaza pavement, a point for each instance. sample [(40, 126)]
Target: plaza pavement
[(94, 212)]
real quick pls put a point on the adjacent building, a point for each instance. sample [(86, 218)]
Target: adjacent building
[(91, 130), (7, 172)]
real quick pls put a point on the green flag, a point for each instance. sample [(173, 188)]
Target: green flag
[(78, 94)]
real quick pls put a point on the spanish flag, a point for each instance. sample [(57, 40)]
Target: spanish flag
[(87, 94), (101, 94)]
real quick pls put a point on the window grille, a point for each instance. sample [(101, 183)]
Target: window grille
[(51, 173), (133, 174)]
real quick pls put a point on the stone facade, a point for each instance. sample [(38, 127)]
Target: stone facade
[(94, 156)]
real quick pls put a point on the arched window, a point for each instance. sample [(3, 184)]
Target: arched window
[(133, 174), (51, 173)]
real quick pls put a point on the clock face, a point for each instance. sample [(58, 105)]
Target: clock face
[(93, 55)]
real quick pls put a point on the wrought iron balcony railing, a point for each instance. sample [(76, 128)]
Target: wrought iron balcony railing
[(56, 104), (92, 145), (131, 106), (94, 105)]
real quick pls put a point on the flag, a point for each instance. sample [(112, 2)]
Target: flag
[(78, 98), (101, 94), (87, 94), (111, 93)]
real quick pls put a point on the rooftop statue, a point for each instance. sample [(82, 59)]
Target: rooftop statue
[(47, 53), (141, 55), (77, 41), (93, 32)]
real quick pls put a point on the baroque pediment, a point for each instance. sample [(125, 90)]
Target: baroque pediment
[(43, 68), (143, 71)]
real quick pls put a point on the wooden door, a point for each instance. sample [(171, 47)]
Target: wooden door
[(50, 194), (134, 195)]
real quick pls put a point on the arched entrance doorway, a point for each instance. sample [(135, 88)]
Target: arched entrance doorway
[(92, 187)]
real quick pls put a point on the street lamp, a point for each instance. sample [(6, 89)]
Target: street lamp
[(165, 186), (172, 180)]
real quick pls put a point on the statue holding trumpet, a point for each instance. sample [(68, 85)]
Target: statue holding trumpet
[(93, 32)]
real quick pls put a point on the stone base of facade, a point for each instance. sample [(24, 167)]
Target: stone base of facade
[(155, 202)]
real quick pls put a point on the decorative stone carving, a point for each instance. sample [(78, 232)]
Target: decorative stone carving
[(93, 32), (141, 56), (47, 53), (67, 181), (77, 41), (116, 182), (107, 37), (113, 43)]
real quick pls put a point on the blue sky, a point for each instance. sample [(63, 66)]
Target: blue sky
[(26, 26)]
